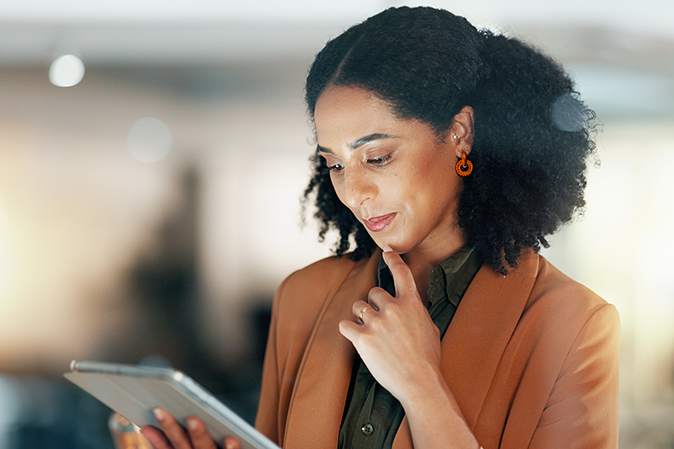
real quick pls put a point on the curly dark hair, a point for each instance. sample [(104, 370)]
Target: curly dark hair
[(532, 135)]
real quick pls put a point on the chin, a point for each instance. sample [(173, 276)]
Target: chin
[(396, 242), (395, 247)]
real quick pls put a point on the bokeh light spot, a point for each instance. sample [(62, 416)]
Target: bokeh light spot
[(66, 71), (149, 140), (569, 114)]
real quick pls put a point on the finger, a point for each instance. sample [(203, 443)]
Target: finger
[(155, 437), (377, 298), (199, 435), (172, 429), (402, 275), (350, 330), (360, 309), (231, 443)]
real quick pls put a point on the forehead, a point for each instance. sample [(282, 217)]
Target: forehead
[(345, 113)]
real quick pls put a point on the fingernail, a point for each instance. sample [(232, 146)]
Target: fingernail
[(387, 249), (192, 424), (158, 413)]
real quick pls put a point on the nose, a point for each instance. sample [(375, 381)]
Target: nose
[(357, 188)]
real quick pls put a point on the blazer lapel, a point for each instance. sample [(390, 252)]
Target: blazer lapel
[(480, 331), (318, 401), (478, 335)]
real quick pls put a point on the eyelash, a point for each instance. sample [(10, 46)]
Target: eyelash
[(380, 160), (376, 161), (336, 167)]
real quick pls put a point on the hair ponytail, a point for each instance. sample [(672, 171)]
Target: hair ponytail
[(530, 168)]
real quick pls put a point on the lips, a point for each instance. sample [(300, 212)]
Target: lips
[(376, 224)]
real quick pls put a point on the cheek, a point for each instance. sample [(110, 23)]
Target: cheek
[(338, 187), (407, 185), (431, 188)]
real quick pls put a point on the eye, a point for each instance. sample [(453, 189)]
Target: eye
[(380, 160), (330, 162), (336, 167)]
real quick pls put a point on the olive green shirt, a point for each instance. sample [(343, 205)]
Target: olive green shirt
[(372, 415)]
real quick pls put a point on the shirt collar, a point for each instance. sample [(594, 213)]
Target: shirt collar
[(442, 280)]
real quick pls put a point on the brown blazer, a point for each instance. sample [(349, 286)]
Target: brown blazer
[(532, 358)]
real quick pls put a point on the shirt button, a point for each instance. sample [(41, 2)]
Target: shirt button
[(367, 429)]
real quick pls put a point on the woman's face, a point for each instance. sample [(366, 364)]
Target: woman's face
[(395, 175)]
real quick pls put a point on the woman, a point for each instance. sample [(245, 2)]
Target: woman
[(456, 152)]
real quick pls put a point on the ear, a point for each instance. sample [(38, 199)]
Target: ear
[(461, 131)]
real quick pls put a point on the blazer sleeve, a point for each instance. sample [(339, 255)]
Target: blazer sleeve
[(267, 419), (582, 409)]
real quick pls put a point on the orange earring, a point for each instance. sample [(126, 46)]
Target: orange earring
[(464, 167)]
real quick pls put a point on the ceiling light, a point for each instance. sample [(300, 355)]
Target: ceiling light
[(66, 71)]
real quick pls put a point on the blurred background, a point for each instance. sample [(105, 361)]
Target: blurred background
[(150, 190)]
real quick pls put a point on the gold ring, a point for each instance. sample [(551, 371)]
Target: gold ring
[(362, 312)]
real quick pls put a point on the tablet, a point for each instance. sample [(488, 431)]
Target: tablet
[(133, 391)]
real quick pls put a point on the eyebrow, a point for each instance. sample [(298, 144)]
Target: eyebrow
[(360, 142)]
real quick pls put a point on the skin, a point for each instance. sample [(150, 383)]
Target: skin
[(171, 435), (400, 171), (385, 166)]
